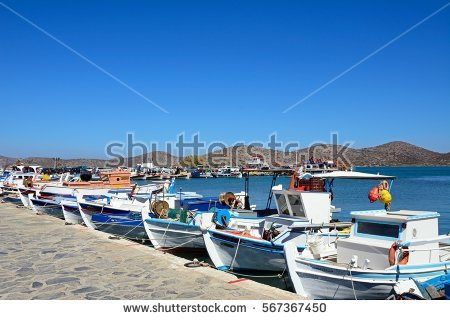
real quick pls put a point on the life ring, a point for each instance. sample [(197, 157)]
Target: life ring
[(405, 254)]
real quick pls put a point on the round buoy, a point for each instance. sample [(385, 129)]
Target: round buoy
[(373, 194), (385, 197)]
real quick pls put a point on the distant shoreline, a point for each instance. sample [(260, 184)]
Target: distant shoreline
[(392, 154)]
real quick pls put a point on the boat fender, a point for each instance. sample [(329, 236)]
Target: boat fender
[(403, 259)]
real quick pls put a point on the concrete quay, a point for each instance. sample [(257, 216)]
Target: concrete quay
[(42, 258)]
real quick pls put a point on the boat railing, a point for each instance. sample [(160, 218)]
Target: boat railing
[(320, 225), (444, 247)]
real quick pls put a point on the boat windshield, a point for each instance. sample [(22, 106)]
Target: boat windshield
[(378, 229), (296, 205), (282, 204), (290, 204)]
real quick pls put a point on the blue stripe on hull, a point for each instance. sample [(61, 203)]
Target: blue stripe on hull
[(98, 209)]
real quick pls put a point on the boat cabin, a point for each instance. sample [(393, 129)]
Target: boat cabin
[(111, 179), (373, 233), (312, 207)]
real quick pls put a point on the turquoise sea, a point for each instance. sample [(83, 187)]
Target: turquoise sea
[(416, 188)]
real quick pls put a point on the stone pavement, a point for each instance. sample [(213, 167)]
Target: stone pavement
[(42, 258)]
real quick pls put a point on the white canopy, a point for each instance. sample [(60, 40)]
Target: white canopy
[(352, 175)]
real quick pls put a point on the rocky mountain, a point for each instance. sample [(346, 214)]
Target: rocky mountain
[(395, 153), (398, 153)]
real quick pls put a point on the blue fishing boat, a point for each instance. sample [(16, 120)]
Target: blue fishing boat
[(123, 217), (437, 288), (201, 172), (129, 226), (50, 206)]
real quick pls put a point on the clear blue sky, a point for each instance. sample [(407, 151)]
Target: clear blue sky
[(225, 69)]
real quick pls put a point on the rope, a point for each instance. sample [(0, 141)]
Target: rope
[(164, 235), (235, 253), (195, 263), (182, 237), (280, 276), (48, 206), (180, 245), (125, 235), (351, 279)]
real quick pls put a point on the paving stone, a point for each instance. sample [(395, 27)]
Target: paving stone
[(189, 294), (81, 268), (61, 280), (36, 284), (84, 290), (44, 259)]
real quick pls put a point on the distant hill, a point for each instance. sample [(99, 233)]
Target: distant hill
[(398, 153), (395, 153), (49, 162)]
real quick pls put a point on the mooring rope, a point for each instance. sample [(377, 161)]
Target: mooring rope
[(180, 245)]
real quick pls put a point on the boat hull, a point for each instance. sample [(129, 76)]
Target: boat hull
[(12, 199), (320, 279), (233, 253), (48, 207), (88, 210), (124, 227), (171, 235), (71, 212)]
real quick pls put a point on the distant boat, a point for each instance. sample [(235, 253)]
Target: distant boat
[(227, 172), (201, 172)]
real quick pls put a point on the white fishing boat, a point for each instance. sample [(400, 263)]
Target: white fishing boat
[(114, 202), (13, 181), (260, 247), (304, 209), (110, 206), (181, 228), (184, 232), (383, 249)]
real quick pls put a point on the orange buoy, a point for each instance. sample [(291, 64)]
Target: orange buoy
[(373, 194)]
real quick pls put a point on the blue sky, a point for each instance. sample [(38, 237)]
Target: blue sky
[(224, 69)]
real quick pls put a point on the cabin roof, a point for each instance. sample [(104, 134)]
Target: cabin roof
[(352, 175), (393, 216)]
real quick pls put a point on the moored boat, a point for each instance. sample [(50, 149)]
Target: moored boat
[(384, 248), (303, 210)]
